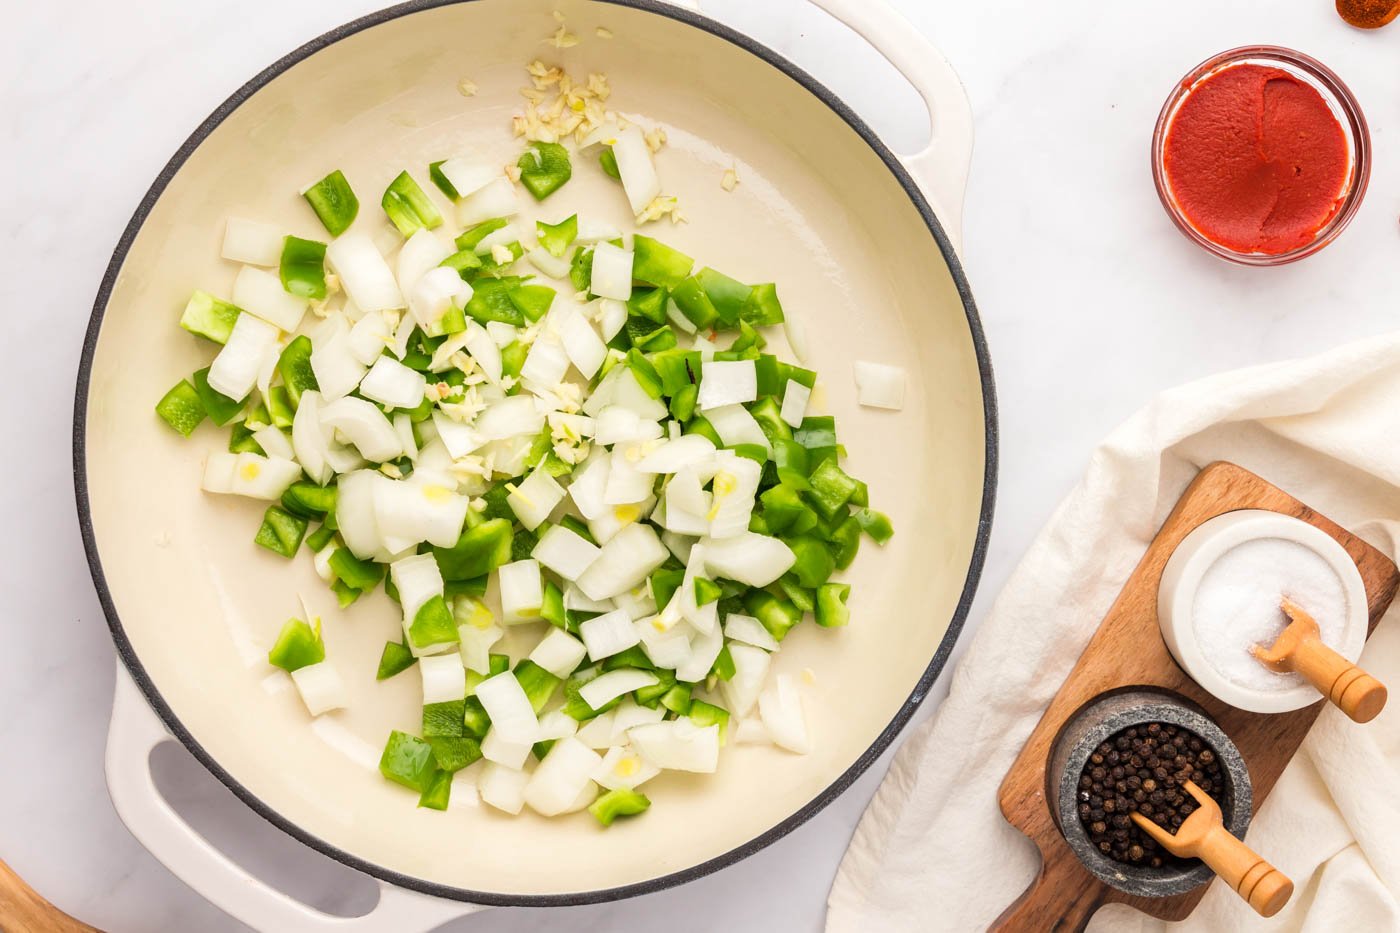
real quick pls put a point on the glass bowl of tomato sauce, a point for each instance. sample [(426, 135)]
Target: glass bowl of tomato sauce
[(1261, 155)]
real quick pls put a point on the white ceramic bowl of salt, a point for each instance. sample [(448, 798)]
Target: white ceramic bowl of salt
[(1221, 592)]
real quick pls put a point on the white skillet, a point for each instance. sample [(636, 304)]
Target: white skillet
[(862, 244)]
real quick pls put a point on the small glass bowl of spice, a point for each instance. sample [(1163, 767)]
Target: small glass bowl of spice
[(1133, 752), (1261, 155)]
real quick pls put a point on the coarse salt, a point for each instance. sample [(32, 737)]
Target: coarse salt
[(1237, 605)]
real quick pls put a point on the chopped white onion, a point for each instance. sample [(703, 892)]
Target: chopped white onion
[(422, 252), (474, 645), (749, 558), (589, 483), (437, 292), (547, 263), (727, 382), (591, 230), (249, 474), (597, 732), (626, 485), (606, 635), (458, 438), (509, 754), (735, 425), (623, 767), (565, 551), (234, 371), (678, 745), (780, 706), (260, 292), (354, 511), (417, 580), (370, 336), (311, 440), (576, 601), (796, 337), (546, 363), (677, 317), (320, 687), (583, 346), (878, 386), (612, 272), (492, 200), (510, 417), (509, 707), (735, 485), (618, 425), (564, 774), (749, 631), (605, 688), (485, 351), (502, 787), (468, 176), (673, 456), (668, 649), (636, 169), (363, 273), (535, 498), (612, 316), (559, 653), (365, 426), (522, 592), (750, 670), (337, 368), (617, 517), (253, 242), (444, 678), (752, 732), (636, 603), (391, 383), (420, 508), (704, 650), (556, 724), (403, 427), (795, 399), (274, 443)]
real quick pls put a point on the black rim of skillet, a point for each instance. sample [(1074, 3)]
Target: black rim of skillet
[(489, 898)]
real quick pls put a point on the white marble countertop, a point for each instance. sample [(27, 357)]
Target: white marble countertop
[(1091, 299)]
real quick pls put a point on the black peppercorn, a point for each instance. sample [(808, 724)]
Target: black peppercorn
[(1141, 769)]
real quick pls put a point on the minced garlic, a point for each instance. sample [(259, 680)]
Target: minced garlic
[(729, 180), (467, 87)]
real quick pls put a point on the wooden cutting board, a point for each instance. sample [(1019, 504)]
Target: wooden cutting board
[(1128, 650)]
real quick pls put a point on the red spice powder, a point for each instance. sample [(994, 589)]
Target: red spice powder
[(1256, 159)]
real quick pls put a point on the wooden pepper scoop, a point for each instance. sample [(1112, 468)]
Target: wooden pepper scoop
[(1203, 835), (1300, 648)]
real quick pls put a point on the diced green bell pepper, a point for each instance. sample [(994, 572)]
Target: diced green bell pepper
[(544, 168), (801, 597), (782, 505), (309, 500), (241, 440), (279, 406), (707, 714), (473, 235), (533, 301), (689, 295), (281, 531), (557, 238), (490, 301), (444, 719), (700, 425), (295, 367), (649, 303), (762, 307), (475, 719), (646, 373), (298, 645), (656, 263), (830, 488), (608, 162), (677, 698), (876, 524), (706, 591), (664, 583), (465, 262), (181, 408), (723, 668), (552, 610), (682, 405), (477, 552), (777, 615), (452, 753), (334, 202), (303, 267), (539, 684), (362, 575), (845, 542), (408, 760), (576, 706), (831, 604), (408, 206), (220, 408), (727, 296), (436, 176), (395, 659), (814, 564), (433, 624), (616, 803), (321, 537), (208, 317)]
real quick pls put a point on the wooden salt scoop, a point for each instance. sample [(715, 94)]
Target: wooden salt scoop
[(1203, 835), (1300, 649)]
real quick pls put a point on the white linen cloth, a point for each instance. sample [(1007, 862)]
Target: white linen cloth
[(933, 852)]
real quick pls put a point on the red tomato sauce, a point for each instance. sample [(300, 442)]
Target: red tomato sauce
[(1256, 160)]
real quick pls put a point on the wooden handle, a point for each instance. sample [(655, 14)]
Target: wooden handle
[(1062, 899), (1265, 887), (22, 910), (1354, 691)]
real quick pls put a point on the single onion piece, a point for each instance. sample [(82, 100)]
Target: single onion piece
[(261, 292), (637, 171), (879, 385), (780, 707), (750, 669), (423, 251), (566, 552), (612, 272), (252, 242), (503, 788), (561, 777), (509, 707), (612, 317), (444, 678), (468, 176), (749, 558), (365, 426), (727, 382), (320, 687), (605, 688), (363, 273), (795, 399), (678, 745), (391, 383), (559, 653), (495, 199), (606, 635), (548, 264)]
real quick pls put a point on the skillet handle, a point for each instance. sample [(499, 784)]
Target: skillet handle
[(134, 733), (941, 167)]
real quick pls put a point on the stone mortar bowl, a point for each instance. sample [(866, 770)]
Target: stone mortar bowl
[(1106, 716)]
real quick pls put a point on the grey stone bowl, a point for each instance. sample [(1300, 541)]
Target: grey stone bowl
[(1110, 714)]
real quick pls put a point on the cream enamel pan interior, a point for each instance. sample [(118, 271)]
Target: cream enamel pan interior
[(823, 209)]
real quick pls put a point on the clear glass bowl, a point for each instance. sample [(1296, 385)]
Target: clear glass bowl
[(1344, 107)]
